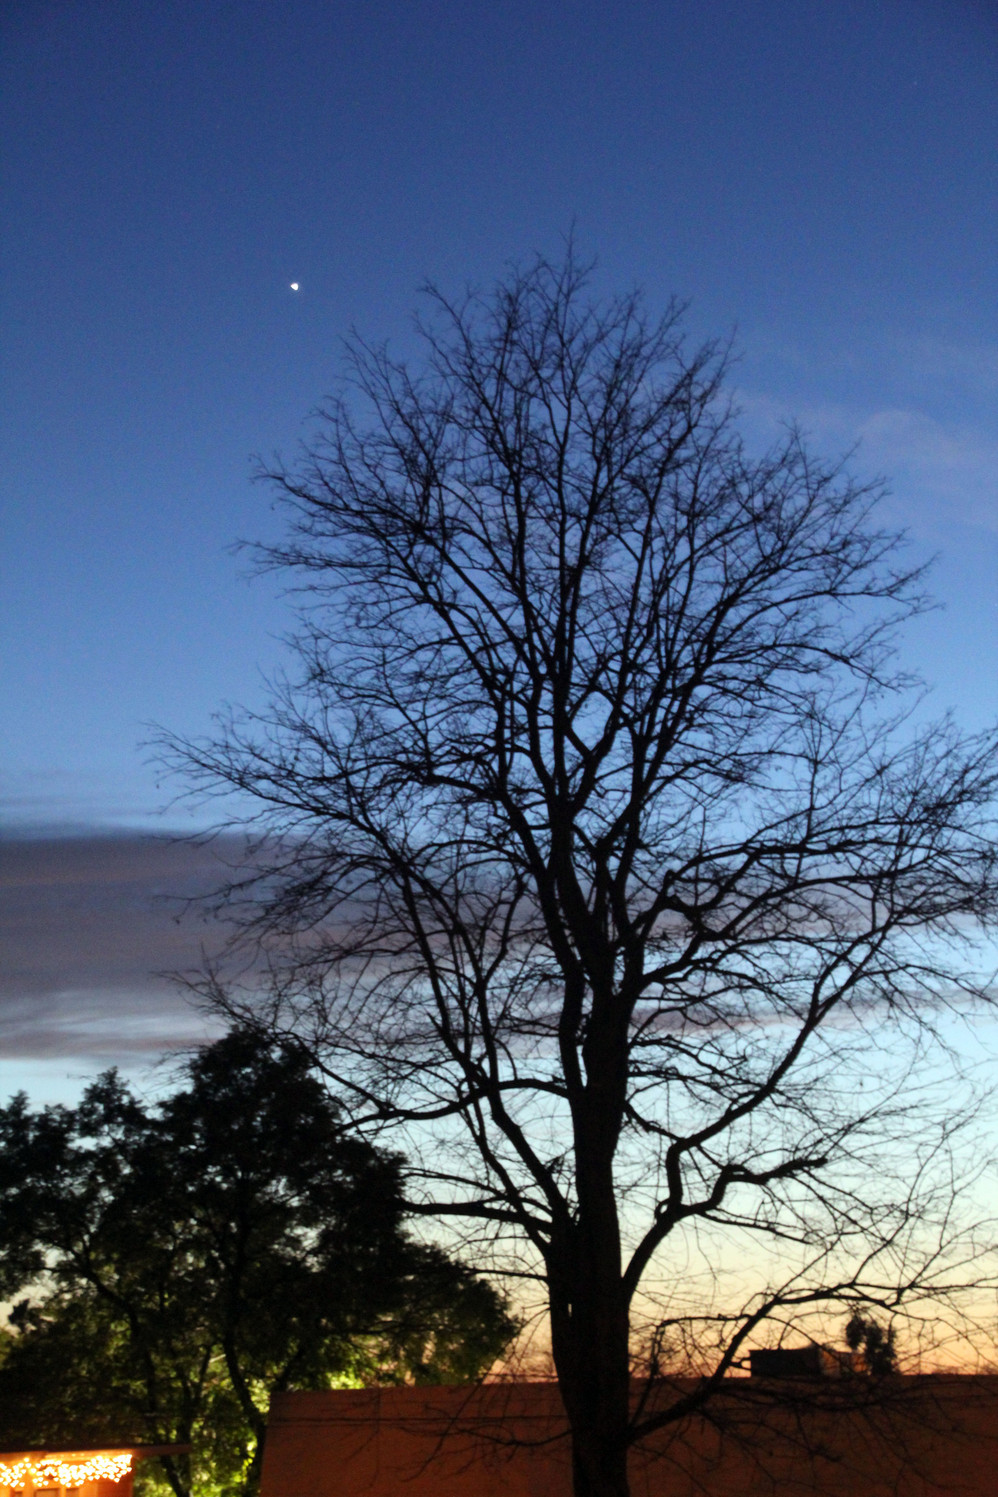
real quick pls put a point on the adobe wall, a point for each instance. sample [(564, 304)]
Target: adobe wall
[(924, 1437)]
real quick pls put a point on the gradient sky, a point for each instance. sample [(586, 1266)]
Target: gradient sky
[(818, 177)]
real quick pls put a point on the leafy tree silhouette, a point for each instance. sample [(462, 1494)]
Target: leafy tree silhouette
[(184, 1261)]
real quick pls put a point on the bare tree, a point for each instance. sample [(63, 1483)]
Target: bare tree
[(602, 849)]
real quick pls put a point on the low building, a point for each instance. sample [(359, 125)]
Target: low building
[(825, 1437)]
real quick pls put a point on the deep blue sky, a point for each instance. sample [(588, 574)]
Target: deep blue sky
[(819, 176)]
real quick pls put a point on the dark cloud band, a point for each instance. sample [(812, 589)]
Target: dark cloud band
[(90, 926)]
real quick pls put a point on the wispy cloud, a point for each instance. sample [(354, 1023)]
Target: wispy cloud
[(969, 370), (940, 473), (950, 472)]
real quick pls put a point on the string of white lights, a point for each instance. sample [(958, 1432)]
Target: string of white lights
[(64, 1471)]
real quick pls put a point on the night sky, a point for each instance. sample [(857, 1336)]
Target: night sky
[(817, 178)]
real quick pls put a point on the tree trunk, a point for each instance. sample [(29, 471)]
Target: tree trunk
[(590, 1324), (599, 1463), (589, 1341), (171, 1465)]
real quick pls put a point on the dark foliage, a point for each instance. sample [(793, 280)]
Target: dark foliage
[(873, 1348), (188, 1259)]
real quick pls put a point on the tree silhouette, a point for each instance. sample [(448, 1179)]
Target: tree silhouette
[(597, 848), (188, 1260), (872, 1345)]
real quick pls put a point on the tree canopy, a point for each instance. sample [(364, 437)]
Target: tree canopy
[(600, 849), (185, 1260)]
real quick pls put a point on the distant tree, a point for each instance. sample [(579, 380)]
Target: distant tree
[(185, 1260), (871, 1346), (599, 845)]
